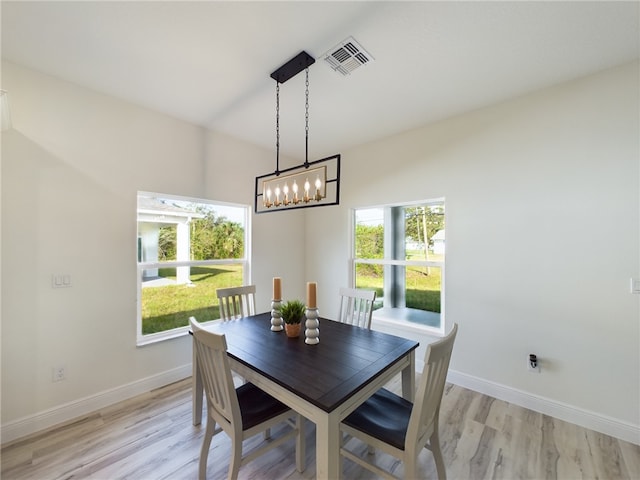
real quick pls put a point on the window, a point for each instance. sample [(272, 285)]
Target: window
[(399, 252), (187, 249)]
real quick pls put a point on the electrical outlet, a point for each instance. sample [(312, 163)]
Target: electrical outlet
[(59, 373), (533, 363), (533, 369)]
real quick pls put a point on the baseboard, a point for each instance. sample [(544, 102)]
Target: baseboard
[(63, 413), (584, 418), (22, 427)]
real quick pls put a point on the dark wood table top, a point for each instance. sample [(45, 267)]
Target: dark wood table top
[(346, 359)]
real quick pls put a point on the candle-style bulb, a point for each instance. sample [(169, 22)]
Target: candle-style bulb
[(267, 197), (307, 186), (294, 187), (277, 202)]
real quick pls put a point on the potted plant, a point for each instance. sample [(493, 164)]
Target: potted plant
[(292, 313)]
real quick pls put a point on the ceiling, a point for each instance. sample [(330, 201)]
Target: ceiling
[(209, 62)]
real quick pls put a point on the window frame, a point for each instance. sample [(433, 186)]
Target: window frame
[(386, 262), (142, 339)]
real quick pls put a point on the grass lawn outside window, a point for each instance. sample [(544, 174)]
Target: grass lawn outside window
[(422, 286), (168, 306), (398, 251), (187, 249)]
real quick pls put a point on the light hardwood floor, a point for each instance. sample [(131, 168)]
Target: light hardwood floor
[(151, 437)]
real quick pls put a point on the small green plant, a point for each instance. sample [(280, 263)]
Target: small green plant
[(292, 311)]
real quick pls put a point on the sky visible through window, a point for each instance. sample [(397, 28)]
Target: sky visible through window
[(370, 216), (233, 214)]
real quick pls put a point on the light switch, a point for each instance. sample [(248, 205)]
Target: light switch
[(60, 280), (635, 285)]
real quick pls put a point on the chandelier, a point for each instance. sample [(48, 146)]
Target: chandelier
[(310, 184)]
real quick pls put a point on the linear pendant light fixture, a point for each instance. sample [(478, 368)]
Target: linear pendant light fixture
[(311, 184)]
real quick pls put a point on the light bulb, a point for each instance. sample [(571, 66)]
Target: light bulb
[(307, 186), (294, 187), (267, 197)]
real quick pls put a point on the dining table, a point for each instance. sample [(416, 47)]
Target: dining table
[(324, 382)]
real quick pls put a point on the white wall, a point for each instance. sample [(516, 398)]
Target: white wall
[(277, 237), (542, 205), (71, 167), (561, 163)]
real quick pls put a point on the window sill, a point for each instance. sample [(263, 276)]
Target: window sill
[(411, 319), (168, 335)]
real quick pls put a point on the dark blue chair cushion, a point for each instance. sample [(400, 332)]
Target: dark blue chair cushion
[(384, 416), (257, 406)]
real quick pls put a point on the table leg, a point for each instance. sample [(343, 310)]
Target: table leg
[(301, 445), (196, 390), (408, 378), (328, 460)]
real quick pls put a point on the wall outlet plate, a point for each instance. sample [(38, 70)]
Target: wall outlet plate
[(58, 373), (60, 280), (531, 368)]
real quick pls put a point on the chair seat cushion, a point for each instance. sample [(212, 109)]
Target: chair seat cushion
[(257, 406), (384, 416)]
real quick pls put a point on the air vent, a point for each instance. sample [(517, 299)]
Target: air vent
[(345, 57)]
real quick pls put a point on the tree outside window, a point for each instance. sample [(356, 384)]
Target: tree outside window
[(399, 252), (186, 250)]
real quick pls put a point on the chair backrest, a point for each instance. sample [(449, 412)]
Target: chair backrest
[(356, 306), (426, 407), (213, 363), (237, 302)]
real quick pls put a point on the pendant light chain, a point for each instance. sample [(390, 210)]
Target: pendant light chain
[(308, 184), (277, 128), (306, 119)]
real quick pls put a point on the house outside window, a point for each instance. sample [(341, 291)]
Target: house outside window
[(187, 248), (399, 251)]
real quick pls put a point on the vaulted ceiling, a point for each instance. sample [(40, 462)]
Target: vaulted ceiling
[(209, 62)]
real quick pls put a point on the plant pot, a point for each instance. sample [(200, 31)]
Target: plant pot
[(292, 329)]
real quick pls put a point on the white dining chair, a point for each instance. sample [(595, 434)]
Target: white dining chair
[(240, 412), (356, 306), (236, 302), (233, 303), (398, 427)]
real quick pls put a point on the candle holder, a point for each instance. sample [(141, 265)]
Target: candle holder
[(276, 317), (312, 331)]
